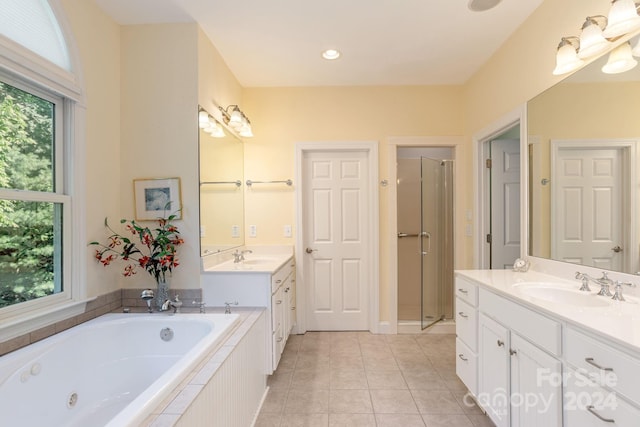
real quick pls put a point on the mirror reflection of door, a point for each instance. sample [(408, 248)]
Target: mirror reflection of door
[(588, 203), (504, 238)]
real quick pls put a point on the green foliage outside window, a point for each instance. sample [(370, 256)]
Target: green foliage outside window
[(27, 228)]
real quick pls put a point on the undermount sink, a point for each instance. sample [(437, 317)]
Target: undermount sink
[(561, 294)]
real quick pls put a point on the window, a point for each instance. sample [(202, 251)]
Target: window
[(32, 199)]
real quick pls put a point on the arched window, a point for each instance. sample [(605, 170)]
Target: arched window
[(41, 138)]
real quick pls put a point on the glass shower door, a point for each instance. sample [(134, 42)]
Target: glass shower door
[(436, 240)]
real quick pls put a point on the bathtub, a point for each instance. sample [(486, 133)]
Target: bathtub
[(111, 371)]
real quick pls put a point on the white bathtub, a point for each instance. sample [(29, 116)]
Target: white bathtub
[(111, 371)]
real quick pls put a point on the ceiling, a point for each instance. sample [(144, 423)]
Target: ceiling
[(383, 42)]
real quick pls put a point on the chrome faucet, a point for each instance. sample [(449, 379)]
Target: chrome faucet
[(617, 295), (605, 282), (176, 304), (201, 305), (227, 306), (238, 256), (585, 281)]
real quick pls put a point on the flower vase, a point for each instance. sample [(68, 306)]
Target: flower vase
[(162, 293)]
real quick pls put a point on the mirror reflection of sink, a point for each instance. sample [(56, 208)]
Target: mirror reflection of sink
[(560, 293)]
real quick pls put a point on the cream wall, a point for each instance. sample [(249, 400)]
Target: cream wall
[(97, 40), (159, 129), (284, 116)]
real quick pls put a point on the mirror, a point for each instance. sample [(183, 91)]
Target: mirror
[(583, 136), (221, 159)]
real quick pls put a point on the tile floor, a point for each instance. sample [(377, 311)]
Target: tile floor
[(361, 379)]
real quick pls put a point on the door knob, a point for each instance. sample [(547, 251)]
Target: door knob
[(617, 249), (309, 250)]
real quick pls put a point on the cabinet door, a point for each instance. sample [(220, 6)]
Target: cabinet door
[(536, 385), (277, 304), (493, 389)]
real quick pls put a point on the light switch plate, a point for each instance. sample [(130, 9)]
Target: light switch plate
[(253, 231), (287, 230), (235, 231)]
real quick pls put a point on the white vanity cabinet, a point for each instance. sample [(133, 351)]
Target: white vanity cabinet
[(467, 333), (601, 378), (519, 373), (251, 287)]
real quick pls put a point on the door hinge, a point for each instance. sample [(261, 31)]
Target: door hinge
[(488, 238), (488, 163)]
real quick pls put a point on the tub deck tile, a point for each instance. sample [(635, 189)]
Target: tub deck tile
[(182, 401)]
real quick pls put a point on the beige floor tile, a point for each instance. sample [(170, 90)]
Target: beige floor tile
[(393, 402), (399, 420), (343, 379), (305, 420), (380, 363), (390, 380), (436, 402), (350, 402), (424, 379), (352, 420), (310, 360), (274, 402), (481, 421), (307, 402), (266, 419), (446, 420), (310, 380), (339, 361), (280, 379)]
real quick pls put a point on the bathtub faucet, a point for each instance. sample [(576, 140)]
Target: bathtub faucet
[(175, 304)]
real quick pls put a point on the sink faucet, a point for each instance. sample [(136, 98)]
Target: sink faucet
[(605, 282), (617, 295), (227, 306), (586, 279), (238, 256)]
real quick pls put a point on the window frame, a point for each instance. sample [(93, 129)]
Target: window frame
[(23, 68)]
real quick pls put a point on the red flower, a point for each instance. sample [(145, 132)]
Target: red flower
[(98, 255), (144, 261), (146, 239), (172, 229), (131, 229), (114, 241), (129, 270), (106, 261)]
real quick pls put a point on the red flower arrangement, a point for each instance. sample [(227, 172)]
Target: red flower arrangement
[(153, 250)]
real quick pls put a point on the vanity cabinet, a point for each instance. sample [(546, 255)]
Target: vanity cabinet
[(601, 378), (519, 377), (467, 333), (274, 290)]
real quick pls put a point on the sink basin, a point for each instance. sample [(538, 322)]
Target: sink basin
[(562, 294)]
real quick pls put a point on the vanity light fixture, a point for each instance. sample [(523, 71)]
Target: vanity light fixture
[(208, 124), (592, 42), (622, 19), (620, 60), (331, 54), (567, 56), (237, 120)]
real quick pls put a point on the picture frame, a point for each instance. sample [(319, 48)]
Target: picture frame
[(157, 198)]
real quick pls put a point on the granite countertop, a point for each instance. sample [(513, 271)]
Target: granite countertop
[(615, 320)]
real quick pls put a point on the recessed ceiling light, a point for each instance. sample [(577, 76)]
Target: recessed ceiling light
[(331, 54), (482, 5)]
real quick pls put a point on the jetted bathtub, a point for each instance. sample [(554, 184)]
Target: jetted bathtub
[(111, 371)]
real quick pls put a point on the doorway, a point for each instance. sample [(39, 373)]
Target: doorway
[(501, 229), (425, 235)]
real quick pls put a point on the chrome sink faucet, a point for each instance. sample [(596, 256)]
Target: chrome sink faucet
[(238, 256), (605, 282), (617, 295)]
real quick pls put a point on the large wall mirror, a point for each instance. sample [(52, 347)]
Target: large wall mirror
[(221, 186), (584, 140)]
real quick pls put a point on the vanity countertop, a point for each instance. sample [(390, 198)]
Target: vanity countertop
[(260, 260), (616, 320)]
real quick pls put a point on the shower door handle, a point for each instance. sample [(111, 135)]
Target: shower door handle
[(428, 236)]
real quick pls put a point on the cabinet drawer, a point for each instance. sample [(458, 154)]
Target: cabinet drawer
[(467, 324), (619, 372), (467, 366), (588, 405), (278, 278), (543, 331), (467, 290)]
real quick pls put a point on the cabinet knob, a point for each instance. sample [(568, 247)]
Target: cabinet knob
[(278, 281), (279, 301), (461, 356), (280, 339), (592, 409), (591, 362), (500, 343), (463, 291), (461, 313), (512, 352)]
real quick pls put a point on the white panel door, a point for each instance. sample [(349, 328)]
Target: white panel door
[(335, 217), (505, 202), (587, 206)]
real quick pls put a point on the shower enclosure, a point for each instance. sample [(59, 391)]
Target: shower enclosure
[(425, 240)]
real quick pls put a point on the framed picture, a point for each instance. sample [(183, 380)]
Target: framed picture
[(157, 198)]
